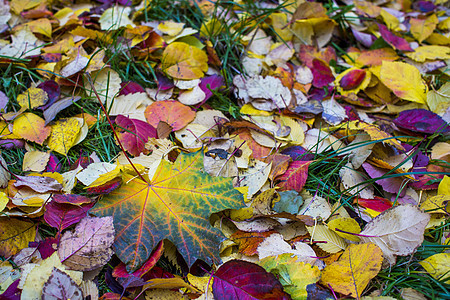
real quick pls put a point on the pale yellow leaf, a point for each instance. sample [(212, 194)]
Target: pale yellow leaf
[(423, 53), (345, 224), (35, 161), (438, 266), (326, 239)]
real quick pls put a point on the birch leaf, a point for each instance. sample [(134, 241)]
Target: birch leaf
[(397, 231)]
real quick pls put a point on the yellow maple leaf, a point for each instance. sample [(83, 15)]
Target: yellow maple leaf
[(182, 61), (404, 80)]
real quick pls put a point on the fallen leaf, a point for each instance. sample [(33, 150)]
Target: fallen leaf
[(40, 273), (437, 266), (174, 113), (40, 183), (421, 120), (295, 176), (64, 135), (404, 80), (31, 127), (183, 61), (32, 98), (15, 235), (326, 239), (397, 231), (146, 212), (353, 271), (60, 286), (51, 111), (63, 215), (395, 41), (134, 134), (344, 227), (24, 44), (35, 161), (237, 279), (89, 246), (293, 274)]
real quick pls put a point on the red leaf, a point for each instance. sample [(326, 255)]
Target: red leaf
[(237, 279), (121, 270), (61, 215), (135, 134), (393, 40), (322, 73), (172, 112), (377, 203), (295, 176), (352, 79)]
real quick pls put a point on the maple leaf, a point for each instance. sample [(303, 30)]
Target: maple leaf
[(176, 205)]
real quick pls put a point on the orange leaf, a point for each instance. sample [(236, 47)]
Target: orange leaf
[(174, 113), (31, 127)]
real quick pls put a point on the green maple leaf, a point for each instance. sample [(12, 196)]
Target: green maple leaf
[(175, 205)]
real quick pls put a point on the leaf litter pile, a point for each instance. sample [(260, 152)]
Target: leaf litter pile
[(224, 150)]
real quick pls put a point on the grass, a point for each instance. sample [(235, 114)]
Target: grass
[(226, 38)]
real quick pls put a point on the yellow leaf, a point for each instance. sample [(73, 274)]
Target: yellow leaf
[(345, 224), (31, 127), (18, 6), (423, 53), (39, 274), (32, 98), (391, 21), (170, 27), (294, 275), (421, 29), (248, 109), (436, 204), (3, 201), (64, 134), (438, 266), (439, 101), (182, 61), (35, 161), (404, 80), (42, 26), (444, 186), (355, 268), (15, 235), (328, 240), (375, 133)]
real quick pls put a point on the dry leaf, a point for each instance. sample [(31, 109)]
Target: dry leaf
[(89, 246), (326, 239), (438, 266), (60, 286), (35, 161), (397, 231), (31, 127)]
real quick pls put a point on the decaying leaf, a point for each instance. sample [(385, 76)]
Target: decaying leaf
[(15, 235), (89, 246), (397, 231), (60, 286), (437, 266)]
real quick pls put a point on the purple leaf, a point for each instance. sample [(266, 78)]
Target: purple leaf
[(238, 279), (12, 144), (391, 185), (46, 247), (322, 73), (12, 292), (364, 38), (164, 83), (393, 40), (3, 102), (61, 216), (421, 120), (53, 164), (298, 153), (209, 83), (130, 87), (53, 91)]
